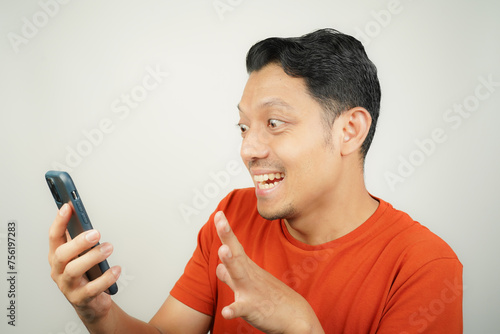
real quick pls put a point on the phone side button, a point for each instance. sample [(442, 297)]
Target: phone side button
[(86, 219), (79, 205)]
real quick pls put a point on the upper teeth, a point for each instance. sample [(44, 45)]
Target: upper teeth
[(265, 177)]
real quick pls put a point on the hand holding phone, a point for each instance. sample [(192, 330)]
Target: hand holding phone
[(64, 191)]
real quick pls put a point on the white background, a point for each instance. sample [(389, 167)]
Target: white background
[(63, 73)]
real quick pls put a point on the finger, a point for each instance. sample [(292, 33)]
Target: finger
[(234, 310), (228, 312), (103, 282), (255, 313), (226, 234), (231, 253), (72, 249), (80, 265), (94, 288), (224, 276), (57, 231)]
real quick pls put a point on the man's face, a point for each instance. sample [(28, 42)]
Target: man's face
[(286, 147)]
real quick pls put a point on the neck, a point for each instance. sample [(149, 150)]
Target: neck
[(346, 208)]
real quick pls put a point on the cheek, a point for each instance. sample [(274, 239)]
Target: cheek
[(310, 147), (301, 163), (304, 151), (311, 167)]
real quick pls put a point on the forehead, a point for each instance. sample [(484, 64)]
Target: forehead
[(271, 87)]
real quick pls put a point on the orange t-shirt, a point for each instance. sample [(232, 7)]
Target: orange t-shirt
[(390, 275)]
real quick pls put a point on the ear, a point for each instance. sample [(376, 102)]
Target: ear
[(355, 126)]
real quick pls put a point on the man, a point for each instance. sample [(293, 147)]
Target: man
[(308, 250)]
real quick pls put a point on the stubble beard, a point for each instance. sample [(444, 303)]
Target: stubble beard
[(286, 212)]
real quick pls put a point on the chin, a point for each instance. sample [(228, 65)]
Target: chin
[(276, 213)]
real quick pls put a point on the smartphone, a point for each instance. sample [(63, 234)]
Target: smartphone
[(64, 191)]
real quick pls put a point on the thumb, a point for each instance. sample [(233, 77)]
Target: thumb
[(232, 311), (262, 310)]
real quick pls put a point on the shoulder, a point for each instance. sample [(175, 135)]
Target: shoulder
[(416, 244), (423, 278)]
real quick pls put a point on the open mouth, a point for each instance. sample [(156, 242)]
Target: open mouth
[(268, 181)]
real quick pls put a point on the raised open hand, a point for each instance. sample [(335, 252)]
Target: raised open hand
[(261, 299)]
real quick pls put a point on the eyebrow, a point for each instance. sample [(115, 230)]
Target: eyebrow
[(272, 102)]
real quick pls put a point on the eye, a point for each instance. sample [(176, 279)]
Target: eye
[(274, 123), (243, 128)]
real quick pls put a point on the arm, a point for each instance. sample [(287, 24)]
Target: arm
[(94, 307), (261, 299)]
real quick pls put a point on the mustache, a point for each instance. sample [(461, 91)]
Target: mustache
[(266, 164)]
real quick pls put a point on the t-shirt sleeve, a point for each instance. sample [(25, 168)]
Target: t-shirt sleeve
[(428, 300), (196, 287)]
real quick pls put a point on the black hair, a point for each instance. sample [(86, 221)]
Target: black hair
[(335, 67)]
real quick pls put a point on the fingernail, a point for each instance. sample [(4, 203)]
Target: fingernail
[(228, 251), (224, 225), (222, 222), (92, 236), (106, 249), (218, 215), (227, 312), (64, 210), (116, 271)]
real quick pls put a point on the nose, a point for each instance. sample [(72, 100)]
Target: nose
[(255, 146)]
